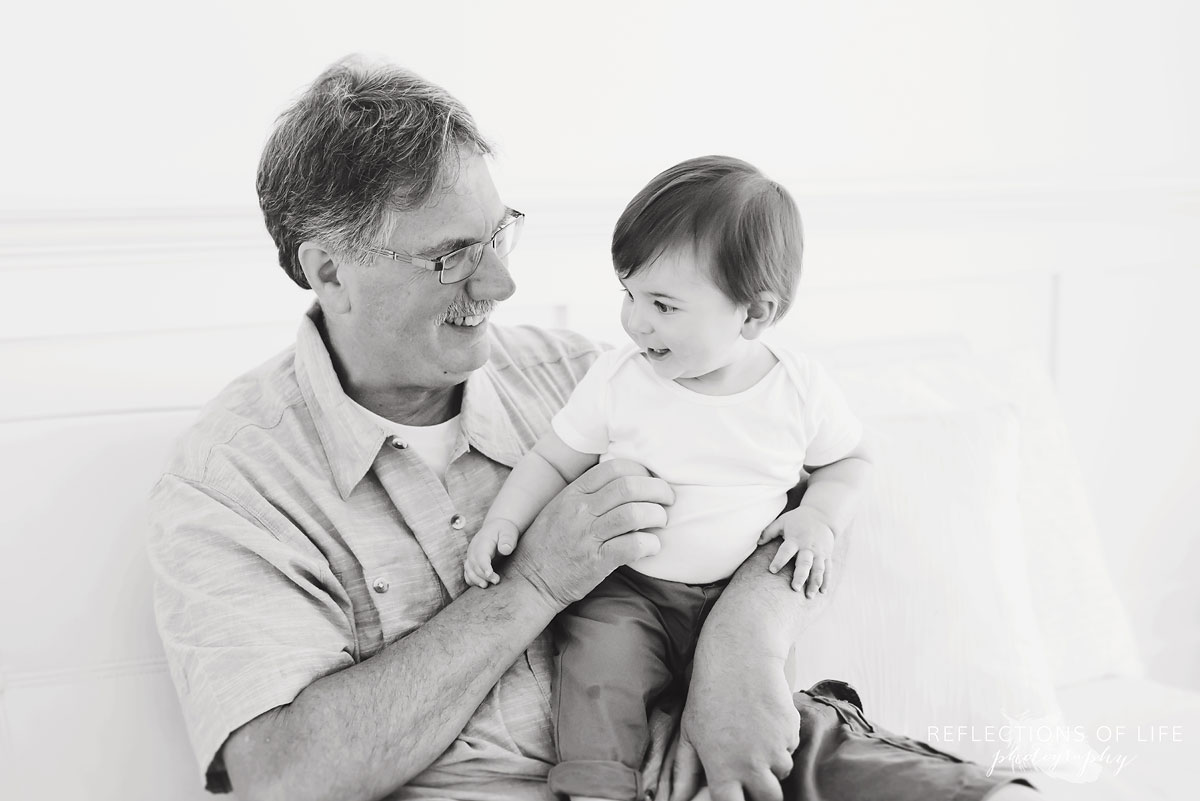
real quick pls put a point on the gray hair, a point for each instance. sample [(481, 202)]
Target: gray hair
[(363, 141)]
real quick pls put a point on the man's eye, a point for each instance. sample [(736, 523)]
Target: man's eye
[(662, 307)]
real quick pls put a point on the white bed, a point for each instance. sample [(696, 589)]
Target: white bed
[(977, 590), (970, 446)]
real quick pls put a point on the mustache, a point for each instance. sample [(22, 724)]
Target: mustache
[(469, 309)]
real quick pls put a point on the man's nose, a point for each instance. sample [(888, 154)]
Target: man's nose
[(491, 280)]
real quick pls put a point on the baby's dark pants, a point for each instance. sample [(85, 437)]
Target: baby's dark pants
[(619, 649)]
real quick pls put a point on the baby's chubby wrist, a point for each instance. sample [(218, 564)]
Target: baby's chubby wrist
[(501, 524), (808, 516), (496, 537)]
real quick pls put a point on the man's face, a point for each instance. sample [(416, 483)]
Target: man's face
[(407, 330)]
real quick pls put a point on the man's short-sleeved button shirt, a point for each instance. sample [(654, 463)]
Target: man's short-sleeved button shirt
[(291, 539)]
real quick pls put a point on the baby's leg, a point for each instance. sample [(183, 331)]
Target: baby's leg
[(612, 664)]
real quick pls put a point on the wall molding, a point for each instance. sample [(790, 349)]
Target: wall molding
[(49, 238), (99, 236), (73, 675)]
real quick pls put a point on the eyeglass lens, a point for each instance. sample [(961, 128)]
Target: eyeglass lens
[(506, 238), (460, 264)]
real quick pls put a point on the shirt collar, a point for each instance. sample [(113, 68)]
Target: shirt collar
[(489, 421), (352, 440)]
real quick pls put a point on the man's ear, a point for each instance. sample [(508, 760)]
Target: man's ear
[(321, 269), (759, 315)]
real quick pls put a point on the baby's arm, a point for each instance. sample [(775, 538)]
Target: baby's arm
[(833, 496), (538, 477)]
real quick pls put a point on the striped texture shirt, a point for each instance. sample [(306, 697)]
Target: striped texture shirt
[(289, 540)]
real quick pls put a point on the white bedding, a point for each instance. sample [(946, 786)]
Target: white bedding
[(945, 402), (87, 710), (1150, 728)]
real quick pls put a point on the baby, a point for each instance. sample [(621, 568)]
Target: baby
[(708, 256)]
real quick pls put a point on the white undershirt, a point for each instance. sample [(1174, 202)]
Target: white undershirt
[(434, 444)]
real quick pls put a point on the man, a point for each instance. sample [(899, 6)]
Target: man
[(309, 534)]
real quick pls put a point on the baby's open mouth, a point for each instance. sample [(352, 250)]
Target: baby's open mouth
[(657, 353)]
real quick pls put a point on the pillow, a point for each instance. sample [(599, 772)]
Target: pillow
[(1084, 625), (931, 618)]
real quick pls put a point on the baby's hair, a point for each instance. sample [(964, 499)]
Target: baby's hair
[(726, 209)]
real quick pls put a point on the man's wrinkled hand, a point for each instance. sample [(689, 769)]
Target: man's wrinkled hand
[(595, 525), (741, 725)]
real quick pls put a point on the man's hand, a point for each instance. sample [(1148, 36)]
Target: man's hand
[(591, 528), (495, 537), (809, 540), (745, 754)]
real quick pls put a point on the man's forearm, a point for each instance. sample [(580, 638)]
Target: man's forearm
[(759, 612), (739, 715), (366, 730)]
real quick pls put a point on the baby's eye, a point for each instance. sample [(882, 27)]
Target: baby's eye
[(662, 307), (628, 295)]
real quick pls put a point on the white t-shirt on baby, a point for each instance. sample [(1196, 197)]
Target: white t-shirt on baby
[(730, 458)]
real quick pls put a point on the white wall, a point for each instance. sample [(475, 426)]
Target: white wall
[(141, 103), (979, 143)]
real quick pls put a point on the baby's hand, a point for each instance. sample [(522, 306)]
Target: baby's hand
[(494, 537), (810, 542)]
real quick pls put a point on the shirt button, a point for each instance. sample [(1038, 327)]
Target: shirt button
[(457, 522), (382, 585), (397, 443)]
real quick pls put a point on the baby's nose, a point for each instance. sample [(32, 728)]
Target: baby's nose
[(640, 323)]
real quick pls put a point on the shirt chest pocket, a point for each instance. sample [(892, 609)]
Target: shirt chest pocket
[(396, 596)]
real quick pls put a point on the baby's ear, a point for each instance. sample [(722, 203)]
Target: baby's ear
[(759, 315)]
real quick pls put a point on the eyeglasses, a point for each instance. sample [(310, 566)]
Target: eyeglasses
[(459, 265)]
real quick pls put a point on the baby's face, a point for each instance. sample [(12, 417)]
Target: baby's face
[(678, 317)]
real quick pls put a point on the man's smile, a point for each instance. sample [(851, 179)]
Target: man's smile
[(468, 314), (469, 321)]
